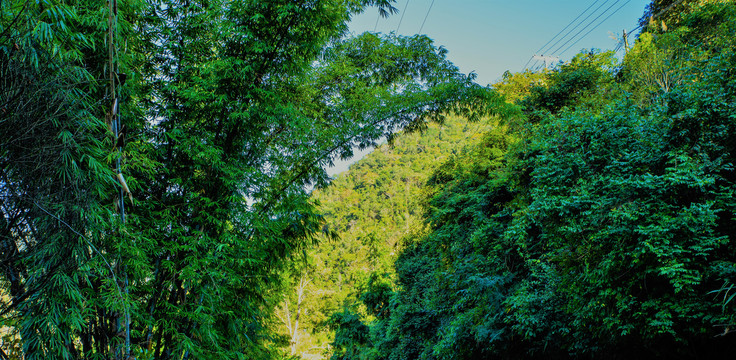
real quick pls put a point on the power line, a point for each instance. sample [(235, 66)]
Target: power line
[(402, 15), (586, 26), (577, 26), (535, 65), (595, 27), (567, 26), (569, 31), (375, 27), (528, 61), (546, 59), (426, 16), (618, 47)]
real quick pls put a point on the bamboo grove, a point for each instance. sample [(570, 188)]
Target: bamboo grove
[(164, 237)]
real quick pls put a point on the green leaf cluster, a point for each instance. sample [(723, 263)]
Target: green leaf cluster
[(370, 208), (599, 224), (229, 110)]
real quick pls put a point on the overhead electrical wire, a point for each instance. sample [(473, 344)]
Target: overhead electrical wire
[(528, 61), (587, 26), (618, 47), (568, 25), (595, 27), (402, 16), (576, 27), (426, 16), (568, 33)]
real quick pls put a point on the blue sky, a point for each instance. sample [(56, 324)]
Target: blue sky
[(492, 36)]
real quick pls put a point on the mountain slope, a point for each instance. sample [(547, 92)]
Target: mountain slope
[(371, 208)]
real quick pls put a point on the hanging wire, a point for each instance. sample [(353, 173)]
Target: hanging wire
[(568, 25), (528, 61), (577, 26), (595, 27), (402, 16), (618, 47), (539, 51), (426, 16)]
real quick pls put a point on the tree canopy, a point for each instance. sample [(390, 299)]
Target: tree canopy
[(163, 187), (597, 224), (203, 122)]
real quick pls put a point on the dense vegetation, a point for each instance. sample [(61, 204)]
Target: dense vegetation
[(599, 224), (155, 156), (157, 159), (370, 208)]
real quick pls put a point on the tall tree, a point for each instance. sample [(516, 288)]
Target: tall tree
[(229, 110)]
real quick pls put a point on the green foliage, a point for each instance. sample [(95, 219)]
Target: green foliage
[(372, 207), (350, 334), (601, 228), (229, 111), (377, 295), (405, 328), (517, 86), (584, 82), (56, 180), (660, 15)]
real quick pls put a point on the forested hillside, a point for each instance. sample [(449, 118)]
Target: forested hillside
[(598, 224), (370, 208)]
